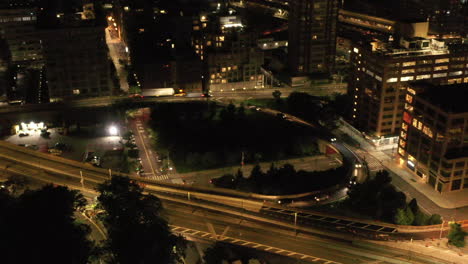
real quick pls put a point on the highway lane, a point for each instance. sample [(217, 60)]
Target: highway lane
[(69, 170), (251, 234), (66, 182)]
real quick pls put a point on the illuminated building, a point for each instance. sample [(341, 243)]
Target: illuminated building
[(433, 141), (312, 36), (229, 52), (379, 70)]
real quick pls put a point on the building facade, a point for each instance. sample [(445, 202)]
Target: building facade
[(229, 52), (77, 62), (433, 142), (312, 36), (380, 70), (18, 28)]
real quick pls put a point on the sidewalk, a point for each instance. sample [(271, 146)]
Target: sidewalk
[(449, 200), (431, 247)]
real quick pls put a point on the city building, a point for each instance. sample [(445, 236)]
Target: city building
[(433, 141), (18, 28), (77, 62), (229, 51), (379, 70), (312, 36)]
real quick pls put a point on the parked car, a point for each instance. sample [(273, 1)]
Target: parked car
[(23, 134), (96, 161), (55, 152), (62, 146)]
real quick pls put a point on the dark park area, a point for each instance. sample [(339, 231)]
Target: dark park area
[(201, 136)]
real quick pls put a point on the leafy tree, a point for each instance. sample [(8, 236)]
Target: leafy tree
[(435, 219), (403, 216), (420, 218), (136, 231), (16, 184), (42, 227), (456, 235), (413, 204), (276, 94)]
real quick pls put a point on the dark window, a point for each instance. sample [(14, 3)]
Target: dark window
[(456, 185)]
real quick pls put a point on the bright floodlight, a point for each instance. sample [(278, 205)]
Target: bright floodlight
[(113, 131)]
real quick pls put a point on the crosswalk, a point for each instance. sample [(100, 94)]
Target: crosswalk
[(373, 163), (151, 176)]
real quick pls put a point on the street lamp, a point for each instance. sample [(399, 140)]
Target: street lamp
[(113, 131)]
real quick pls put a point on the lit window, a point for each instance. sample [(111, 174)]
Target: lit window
[(408, 63), (441, 68), (392, 80), (76, 91), (407, 78), (438, 75), (455, 73), (424, 76), (223, 69), (426, 130), (441, 60), (409, 98), (407, 71), (401, 151), (404, 126)]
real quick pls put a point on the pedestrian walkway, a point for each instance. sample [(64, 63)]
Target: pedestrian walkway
[(436, 247), (378, 159), (155, 177)]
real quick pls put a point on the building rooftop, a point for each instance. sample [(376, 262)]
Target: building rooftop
[(449, 98)]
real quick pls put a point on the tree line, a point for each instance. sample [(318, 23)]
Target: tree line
[(45, 225), (282, 180), (205, 135), (379, 199)]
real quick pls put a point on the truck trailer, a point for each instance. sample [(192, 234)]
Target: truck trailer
[(157, 92)]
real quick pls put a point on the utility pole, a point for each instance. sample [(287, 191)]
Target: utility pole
[(441, 228), (242, 159), (81, 179), (295, 223)]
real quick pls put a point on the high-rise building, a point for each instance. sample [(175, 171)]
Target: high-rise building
[(312, 36), (18, 28), (229, 51), (380, 69), (77, 62), (433, 142)]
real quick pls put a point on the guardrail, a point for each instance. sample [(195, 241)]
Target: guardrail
[(247, 201)]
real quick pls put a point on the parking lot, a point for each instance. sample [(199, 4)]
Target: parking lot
[(79, 147)]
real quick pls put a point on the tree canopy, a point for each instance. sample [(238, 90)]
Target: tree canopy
[(40, 227), (379, 199), (137, 233), (457, 235)]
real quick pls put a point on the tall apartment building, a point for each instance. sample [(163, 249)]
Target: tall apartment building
[(229, 52), (381, 69), (77, 62), (433, 141), (312, 36), (18, 28)]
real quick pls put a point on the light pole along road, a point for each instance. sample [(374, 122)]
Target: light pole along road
[(225, 204)]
